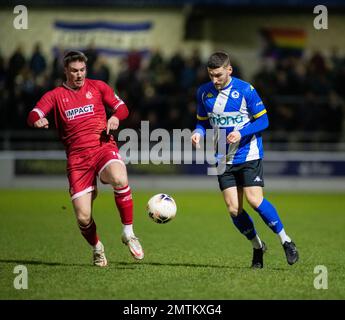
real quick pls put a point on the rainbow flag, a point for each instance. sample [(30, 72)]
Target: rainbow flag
[(280, 42)]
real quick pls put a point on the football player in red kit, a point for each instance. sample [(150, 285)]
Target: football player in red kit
[(80, 117)]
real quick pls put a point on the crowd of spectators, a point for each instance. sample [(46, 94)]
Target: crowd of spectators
[(302, 95)]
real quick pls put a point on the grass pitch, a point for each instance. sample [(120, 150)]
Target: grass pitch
[(199, 255)]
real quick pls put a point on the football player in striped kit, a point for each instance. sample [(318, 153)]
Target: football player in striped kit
[(233, 106)]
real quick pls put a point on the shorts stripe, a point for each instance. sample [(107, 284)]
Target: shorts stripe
[(108, 162), (81, 193)]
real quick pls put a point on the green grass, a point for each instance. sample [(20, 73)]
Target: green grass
[(199, 255)]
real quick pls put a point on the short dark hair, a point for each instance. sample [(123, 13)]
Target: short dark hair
[(218, 59), (73, 55)]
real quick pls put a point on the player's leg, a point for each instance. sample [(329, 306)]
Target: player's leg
[(115, 173), (233, 198), (230, 183), (271, 217), (83, 211)]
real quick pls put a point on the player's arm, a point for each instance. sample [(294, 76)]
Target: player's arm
[(202, 121), (258, 110), (37, 116), (118, 107)]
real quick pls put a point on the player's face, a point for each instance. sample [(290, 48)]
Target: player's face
[(220, 76), (75, 74)]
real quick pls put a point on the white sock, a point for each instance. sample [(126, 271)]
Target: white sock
[(256, 242), (128, 230), (283, 236), (98, 246)]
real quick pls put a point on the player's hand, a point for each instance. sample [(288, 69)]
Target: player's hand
[(233, 137), (113, 123), (196, 140), (42, 123)]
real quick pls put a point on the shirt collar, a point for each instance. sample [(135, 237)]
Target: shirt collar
[(227, 86), (69, 88)]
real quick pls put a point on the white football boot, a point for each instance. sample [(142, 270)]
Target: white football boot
[(134, 246), (99, 258)]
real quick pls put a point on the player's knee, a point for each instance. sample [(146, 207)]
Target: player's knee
[(254, 201), (83, 217), (83, 220), (233, 210), (119, 181)]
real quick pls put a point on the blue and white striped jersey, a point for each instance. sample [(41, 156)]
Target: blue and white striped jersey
[(232, 108)]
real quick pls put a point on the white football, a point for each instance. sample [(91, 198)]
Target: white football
[(161, 208)]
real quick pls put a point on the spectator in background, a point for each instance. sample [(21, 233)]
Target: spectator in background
[(37, 62), (92, 56), (176, 65), (134, 59), (57, 67), (16, 64), (156, 60), (100, 70)]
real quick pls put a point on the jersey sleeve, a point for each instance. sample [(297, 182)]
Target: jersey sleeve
[(109, 97), (45, 104), (201, 112), (42, 108), (202, 117), (111, 100), (256, 126), (254, 103)]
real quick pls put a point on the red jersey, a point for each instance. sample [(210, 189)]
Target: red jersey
[(80, 115)]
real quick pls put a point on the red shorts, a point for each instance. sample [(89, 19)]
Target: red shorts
[(83, 168)]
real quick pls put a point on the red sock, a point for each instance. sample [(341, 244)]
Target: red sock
[(124, 203), (89, 232)]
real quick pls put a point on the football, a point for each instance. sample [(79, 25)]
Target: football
[(161, 208)]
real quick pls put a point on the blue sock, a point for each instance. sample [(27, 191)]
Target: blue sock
[(244, 224), (270, 215)]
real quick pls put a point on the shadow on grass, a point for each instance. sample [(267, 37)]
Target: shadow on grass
[(129, 265), (58, 264), (193, 265), (39, 262)]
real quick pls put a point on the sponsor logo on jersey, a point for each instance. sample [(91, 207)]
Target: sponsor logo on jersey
[(89, 95), (235, 94), (79, 112), (209, 95), (227, 119)]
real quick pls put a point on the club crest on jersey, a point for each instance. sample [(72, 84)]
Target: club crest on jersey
[(79, 112), (235, 94), (88, 95)]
